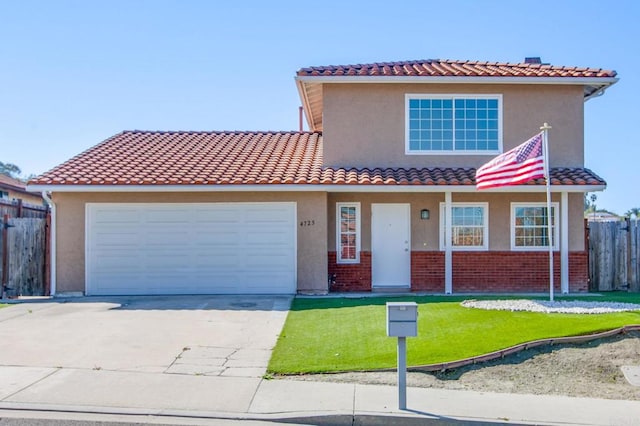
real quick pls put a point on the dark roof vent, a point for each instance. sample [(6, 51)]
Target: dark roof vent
[(533, 60)]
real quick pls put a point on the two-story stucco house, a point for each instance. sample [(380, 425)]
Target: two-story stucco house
[(355, 204)]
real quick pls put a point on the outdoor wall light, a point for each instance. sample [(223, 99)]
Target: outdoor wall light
[(424, 214)]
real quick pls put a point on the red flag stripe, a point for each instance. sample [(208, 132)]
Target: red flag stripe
[(519, 165), (533, 166)]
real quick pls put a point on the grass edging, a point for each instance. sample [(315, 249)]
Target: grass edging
[(518, 348), (443, 366)]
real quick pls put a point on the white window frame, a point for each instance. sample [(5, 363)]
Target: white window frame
[(451, 96), (556, 225), (485, 227), (339, 258)]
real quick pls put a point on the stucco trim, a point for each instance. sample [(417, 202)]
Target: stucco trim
[(309, 188)]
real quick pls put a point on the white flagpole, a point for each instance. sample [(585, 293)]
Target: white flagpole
[(545, 151)]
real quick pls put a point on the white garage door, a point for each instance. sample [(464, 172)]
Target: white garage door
[(220, 248)]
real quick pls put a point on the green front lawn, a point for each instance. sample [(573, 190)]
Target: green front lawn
[(338, 334)]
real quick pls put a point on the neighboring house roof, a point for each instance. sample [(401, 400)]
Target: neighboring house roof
[(246, 158), (602, 217), (310, 80), (9, 183)]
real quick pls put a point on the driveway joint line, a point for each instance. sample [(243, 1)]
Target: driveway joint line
[(255, 392), (31, 384), (353, 406), (177, 357)]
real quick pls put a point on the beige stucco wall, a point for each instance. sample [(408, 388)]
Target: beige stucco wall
[(364, 124), (424, 233), (70, 230)]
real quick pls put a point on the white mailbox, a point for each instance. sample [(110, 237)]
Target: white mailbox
[(402, 319)]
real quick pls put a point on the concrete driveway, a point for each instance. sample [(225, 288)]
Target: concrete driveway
[(194, 335)]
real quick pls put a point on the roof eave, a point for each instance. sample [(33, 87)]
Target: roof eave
[(310, 188), (596, 90), (457, 79), (306, 106)]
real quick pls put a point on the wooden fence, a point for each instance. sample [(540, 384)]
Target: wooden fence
[(614, 255), (16, 208), (24, 249)]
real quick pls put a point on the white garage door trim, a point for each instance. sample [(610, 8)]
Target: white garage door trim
[(190, 248)]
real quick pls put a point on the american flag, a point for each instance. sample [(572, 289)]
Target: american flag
[(520, 165)]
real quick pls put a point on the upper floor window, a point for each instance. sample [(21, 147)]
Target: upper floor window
[(453, 124)]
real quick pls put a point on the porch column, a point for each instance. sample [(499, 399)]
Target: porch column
[(564, 243), (448, 258)]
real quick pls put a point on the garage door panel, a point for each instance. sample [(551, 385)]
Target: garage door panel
[(216, 238), (224, 248), (216, 215), (165, 215), (125, 260), (118, 239), (271, 237), (166, 262), (115, 283), (117, 216), (230, 262), (167, 240)]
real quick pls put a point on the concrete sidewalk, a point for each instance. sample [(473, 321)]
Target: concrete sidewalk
[(171, 397)]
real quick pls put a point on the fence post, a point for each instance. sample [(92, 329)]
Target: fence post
[(635, 250), (587, 248), (628, 253), (5, 254)]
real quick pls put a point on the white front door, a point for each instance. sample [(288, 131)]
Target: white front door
[(391, 245)]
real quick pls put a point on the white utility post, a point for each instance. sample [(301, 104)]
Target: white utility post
[(448, 255), (402, 321)]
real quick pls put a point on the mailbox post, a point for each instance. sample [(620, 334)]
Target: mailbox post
[(402, 322)]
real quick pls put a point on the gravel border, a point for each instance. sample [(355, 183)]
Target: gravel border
[(548, 307)]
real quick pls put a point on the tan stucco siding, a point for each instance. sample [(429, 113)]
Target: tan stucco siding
[(425, 233), (311, 241), (26, 198), (364, 124)]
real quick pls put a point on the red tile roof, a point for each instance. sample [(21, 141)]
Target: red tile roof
[(245, 158), (451, 68)]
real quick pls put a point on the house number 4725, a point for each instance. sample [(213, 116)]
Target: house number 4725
[(307, 223)]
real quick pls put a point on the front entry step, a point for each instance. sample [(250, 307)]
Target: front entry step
[(391, 289)]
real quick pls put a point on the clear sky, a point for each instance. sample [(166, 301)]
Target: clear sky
[(73, 73)]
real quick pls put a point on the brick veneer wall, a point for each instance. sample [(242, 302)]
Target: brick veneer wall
[(351, 276), (496, 271), (490, 271)]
